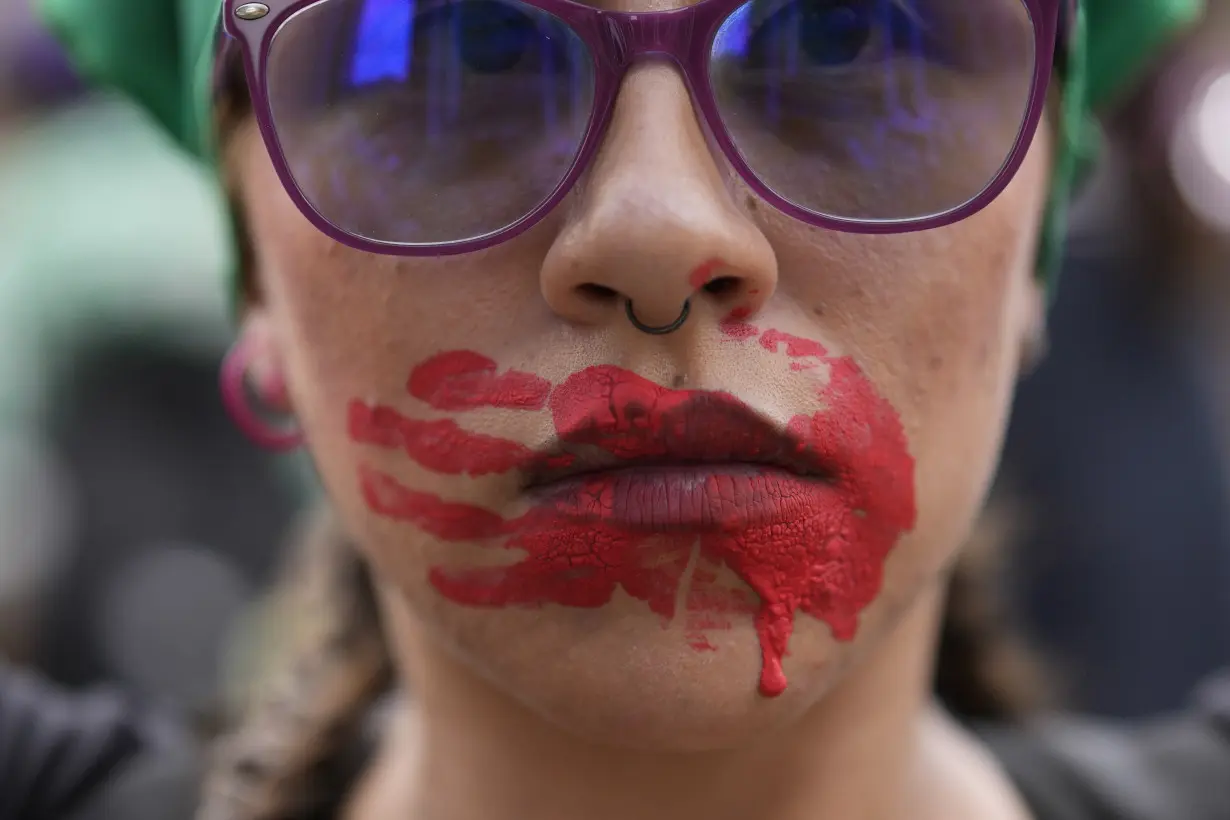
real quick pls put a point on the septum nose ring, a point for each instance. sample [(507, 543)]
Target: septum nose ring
[(660, 330)]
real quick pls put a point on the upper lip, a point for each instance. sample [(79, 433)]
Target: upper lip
[(707, 429)]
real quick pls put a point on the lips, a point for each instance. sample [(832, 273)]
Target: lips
[(652, 459), (641, 476), (640, 423), (697, 500)]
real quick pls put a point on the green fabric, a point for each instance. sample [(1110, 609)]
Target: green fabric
[(1079, 140), (156, 51), (160, 52)]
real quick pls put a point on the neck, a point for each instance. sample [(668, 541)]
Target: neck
[(476, 753)]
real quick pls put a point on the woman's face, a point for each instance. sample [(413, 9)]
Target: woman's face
[(629, 532)]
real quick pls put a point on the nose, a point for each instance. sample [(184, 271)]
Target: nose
[(655, 223)]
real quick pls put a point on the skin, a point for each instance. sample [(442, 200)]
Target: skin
[(559, 712)]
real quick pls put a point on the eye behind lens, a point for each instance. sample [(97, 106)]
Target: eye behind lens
[(493, 36), (421, 122), (875, 110)]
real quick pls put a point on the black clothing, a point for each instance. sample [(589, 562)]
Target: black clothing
[(1169, 769), (94, 756)]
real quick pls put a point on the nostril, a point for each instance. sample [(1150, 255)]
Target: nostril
[(597, 293), (722, 286)]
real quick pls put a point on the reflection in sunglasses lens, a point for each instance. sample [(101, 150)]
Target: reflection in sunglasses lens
[(427, 122), (875, 110)]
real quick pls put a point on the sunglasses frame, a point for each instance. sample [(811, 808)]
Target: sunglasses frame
[(617, 40)]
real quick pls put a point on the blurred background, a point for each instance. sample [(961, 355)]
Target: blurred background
[(137, 529)]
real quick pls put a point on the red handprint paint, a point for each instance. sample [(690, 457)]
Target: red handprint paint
[(459, 380), (643, 475), (462, 380)]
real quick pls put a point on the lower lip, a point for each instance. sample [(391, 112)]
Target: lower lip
[(680, 499)]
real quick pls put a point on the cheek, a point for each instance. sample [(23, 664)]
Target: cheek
[(937, 320), (350, 323), (960, 333), (958, 377)]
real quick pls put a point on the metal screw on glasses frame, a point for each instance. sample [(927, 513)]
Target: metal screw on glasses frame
[(251, 11)]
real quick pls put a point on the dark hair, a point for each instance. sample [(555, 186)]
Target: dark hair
[(281, 760), (985, 669)]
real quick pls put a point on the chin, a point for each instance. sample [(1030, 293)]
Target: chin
[(620, 677)]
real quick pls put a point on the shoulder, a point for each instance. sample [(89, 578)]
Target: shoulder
[(1076, 769), (89, 755)]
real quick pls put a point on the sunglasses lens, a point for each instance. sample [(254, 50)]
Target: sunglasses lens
[(875, 110), (423, 122)]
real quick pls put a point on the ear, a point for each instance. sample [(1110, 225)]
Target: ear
[(266, 361), (257, 328)]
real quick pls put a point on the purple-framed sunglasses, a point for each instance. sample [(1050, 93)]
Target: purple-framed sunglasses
[(434, 127)]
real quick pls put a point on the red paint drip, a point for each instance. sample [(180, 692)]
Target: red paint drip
[(800, 545), (464, 380), (703, 274)]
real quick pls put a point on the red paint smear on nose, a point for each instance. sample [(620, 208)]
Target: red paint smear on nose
[(464, 380), (704, 273), (826, 561)]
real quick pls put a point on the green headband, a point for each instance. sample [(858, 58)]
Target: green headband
[(161, 53)]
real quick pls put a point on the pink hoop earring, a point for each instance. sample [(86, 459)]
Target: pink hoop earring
[(236, 399)]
